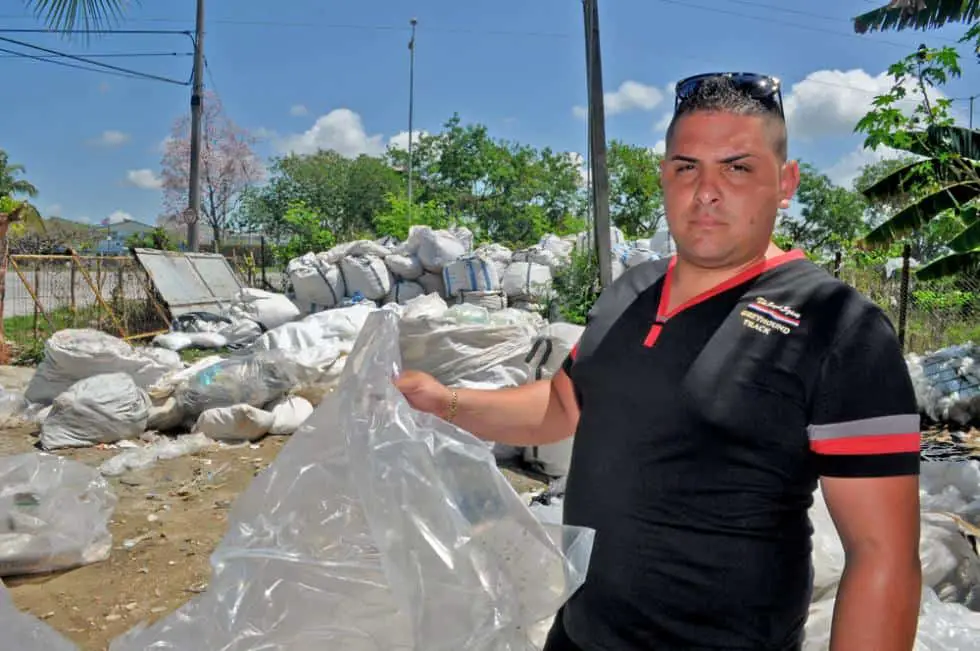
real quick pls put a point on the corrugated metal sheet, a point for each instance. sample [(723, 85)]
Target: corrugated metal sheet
[(190, 282)]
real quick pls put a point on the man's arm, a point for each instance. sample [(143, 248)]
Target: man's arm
[(534, 414), (878, 598), (865, 437)]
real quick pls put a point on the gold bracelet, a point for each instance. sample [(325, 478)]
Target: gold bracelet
[(453, 404)]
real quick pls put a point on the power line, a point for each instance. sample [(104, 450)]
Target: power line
[(112, 55), (776, 21), (24, 55), (810, 14), (94, 31), (94, 64)]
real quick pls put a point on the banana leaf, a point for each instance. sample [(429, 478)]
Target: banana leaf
[(949, 265), (67, 15), (915, 215), (906, 14), (967, 240)]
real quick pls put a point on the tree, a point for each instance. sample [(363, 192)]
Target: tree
[(830, 216), (228, 167), (345, 194), (635, 197), (10, 184), (899, 15), (942, 180), (65, 15)]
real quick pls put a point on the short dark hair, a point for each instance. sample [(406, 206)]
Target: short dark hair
[(719, 94)]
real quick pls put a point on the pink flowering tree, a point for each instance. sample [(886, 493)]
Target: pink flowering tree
[(228, 167)]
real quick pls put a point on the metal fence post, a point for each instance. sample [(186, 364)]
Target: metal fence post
[(265, 281), (903, 297)]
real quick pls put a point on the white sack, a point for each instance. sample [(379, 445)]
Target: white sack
[(175, 341), (456, 353), (408, 267), (71, 355), (101, 409), (289, 414), (433, 283), (470, 274), (947, 383), (254, 379), (490, 301), (527, 280), (54, 514), (168, 358), (498, 254), (366, 248), (436, 249), (542, 256), (560, 248), (562, 337), (234, 423), (318, 284), (268, 308), (366, 275), (404, 291)]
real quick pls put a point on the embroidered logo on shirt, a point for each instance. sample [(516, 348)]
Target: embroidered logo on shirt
[(765, 316)]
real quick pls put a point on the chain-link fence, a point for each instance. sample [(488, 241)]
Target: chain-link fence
[(929, 314), (46, 293)]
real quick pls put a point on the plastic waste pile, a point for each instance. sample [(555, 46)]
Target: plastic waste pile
[(444, 262), (947, 383), (54, 515), (377, 528)]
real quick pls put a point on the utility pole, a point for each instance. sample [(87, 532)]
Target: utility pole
[(411, 112), (197, 108), (597, 137)]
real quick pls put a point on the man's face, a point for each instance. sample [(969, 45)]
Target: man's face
[(723, 186)]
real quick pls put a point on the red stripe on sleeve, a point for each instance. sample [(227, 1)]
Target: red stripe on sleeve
[(883, 444), (574, 352)]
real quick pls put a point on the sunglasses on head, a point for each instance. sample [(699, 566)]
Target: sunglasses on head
[(763, 88)]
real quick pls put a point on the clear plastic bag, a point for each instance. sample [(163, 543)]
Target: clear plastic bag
[(22, 632), (376, 529), (254, 379), (54, 514)]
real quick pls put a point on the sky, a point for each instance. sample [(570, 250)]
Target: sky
[(305, 74)]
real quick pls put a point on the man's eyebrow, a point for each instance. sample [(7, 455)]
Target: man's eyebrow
[(724, 161)]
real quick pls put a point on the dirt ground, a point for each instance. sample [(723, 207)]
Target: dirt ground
[(168, 520)]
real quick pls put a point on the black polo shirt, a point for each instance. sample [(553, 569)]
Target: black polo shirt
[(702, 435)]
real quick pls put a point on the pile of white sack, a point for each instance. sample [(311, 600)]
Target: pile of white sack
[(947, 383), (444, 262)]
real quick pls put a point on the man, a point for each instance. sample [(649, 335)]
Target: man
[(708, 396)]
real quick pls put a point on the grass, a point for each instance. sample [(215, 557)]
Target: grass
[(27, 348)]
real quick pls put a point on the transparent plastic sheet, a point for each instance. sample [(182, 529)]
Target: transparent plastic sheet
[(254, 379), (377, 529), (23, 632), (54, 514)]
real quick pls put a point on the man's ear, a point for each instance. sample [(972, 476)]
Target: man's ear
[(789, 182)]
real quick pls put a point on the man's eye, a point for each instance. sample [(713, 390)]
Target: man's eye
[(736, 167), (685, 168)]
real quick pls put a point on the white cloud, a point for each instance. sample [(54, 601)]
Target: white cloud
[(630, 96), (578, 160), (145, 178), (299, 110), (846, 170), (660, 147), (119, 216), (400, 140), (341, 130), (830, 102), (111, 138), (663, 123)]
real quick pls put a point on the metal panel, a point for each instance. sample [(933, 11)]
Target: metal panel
[(190, 282)]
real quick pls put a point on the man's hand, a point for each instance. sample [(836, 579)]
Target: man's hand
[(424, 392), (878, 600)]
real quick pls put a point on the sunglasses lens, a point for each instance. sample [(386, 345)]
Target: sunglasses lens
[(756, 86)]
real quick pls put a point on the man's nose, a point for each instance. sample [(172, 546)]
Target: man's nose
[(707, 191)]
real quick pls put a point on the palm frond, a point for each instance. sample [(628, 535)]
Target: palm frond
[(67, 15), (900, 15)]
